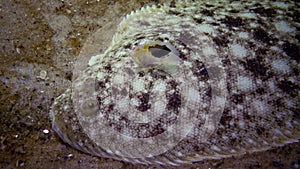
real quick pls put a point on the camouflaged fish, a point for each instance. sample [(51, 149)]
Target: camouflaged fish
[(187, 81)]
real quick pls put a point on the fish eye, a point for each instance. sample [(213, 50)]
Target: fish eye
[(159, 50), (90, 107)]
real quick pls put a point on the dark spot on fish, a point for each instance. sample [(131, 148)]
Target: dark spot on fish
[(144, 102), (246, 115), (234, 11), (207, 12), (198, 20), (142, 130), (141, 74), (260, 130), (209, 5), (215, 24), (107, 79), (225, 119), (256, 67), (289, 88), (127, 46), (260, 90), (108, 68), (110, 107), (261, 51), (158, 74), (174, 102), (261, 22), (233, 22), (162, 39), (278, 103), (226, 61), (221, 41), (292, 50), (279, 122), (195, 147), (167, 119), (265, 12), (158, 129), (261, 35), (150, 85), (200, 71), (172, 84), (139, 37), (130, 95), (237, 98), (69, 75), (251, 44), (208, 92), (101, 84), (181, 43)]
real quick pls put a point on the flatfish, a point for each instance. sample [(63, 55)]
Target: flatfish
[(186, 81)]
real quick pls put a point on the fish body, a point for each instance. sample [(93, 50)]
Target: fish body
[(235, 89)]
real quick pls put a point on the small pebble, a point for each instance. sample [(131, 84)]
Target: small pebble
[(20, 163), (43, 74), (45, 131), (70, 156), (18, 50)]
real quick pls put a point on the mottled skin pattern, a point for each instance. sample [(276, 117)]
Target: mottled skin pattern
[(244, 54)]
